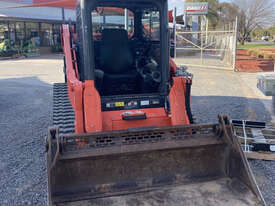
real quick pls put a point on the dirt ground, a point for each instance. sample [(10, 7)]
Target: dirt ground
[(25, 115), (246, 63)]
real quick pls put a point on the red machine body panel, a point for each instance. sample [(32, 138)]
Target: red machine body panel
[(86, 101)]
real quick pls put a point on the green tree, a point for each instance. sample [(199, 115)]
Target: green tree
[(253, 14), (257, 33), (271, 30), (227, 13), (266, 33)]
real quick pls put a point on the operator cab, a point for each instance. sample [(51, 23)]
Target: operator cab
[(126, 50)]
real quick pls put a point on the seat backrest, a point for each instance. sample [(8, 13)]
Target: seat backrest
[(115, 54)]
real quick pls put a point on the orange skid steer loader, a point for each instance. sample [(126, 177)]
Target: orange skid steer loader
[(123, 131)]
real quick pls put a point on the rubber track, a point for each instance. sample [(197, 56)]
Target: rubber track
[(63, 114)]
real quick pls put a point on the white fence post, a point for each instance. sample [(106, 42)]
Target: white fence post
[(235, 44), (175, 33)]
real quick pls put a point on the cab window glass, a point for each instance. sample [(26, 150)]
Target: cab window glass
[(151, 24), (111, 18)]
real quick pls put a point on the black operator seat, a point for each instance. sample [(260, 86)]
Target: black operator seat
[(117, 63), (115, 54)]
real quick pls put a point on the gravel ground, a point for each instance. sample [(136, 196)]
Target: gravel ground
[(25, 114), (223, 92)]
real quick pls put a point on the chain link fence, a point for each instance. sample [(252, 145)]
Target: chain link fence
[(207, 48)]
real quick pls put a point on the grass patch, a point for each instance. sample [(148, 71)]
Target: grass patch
[(256, 46)]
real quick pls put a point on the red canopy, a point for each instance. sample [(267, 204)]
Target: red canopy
[(70, 4), (67, 4)]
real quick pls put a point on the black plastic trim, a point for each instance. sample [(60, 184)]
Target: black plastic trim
[(187, 102), (134, 117)]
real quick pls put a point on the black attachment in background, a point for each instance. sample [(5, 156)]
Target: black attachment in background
[(248, 123), (261, 147)]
